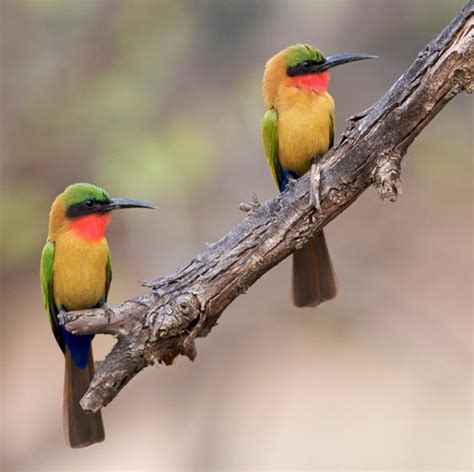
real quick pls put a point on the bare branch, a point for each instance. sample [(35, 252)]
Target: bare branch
[(156, 327)]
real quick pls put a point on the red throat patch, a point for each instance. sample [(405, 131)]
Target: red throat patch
[(91, 227), (314, 82)]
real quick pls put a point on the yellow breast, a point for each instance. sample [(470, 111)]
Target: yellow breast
[(304, 127), (79, 272)]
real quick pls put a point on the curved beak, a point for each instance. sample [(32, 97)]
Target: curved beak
[(338, 59), (118, 203)]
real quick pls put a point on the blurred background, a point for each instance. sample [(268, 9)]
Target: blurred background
[(161, 100)]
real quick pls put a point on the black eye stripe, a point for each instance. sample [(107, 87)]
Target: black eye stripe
[(304, 67), (84, 208)]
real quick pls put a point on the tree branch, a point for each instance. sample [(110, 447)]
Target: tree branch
[(156, 327)]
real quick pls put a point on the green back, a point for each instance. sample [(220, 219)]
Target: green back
[(270, 145), (46, 277)]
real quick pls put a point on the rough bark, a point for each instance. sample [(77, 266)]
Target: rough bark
[(164, 323)]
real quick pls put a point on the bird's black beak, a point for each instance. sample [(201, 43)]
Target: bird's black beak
[(118, 203), (338, 59)]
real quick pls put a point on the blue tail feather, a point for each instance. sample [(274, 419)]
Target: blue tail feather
[(79, 347)]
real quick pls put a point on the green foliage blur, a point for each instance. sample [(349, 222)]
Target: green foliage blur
[(85, 97), (116, 92)]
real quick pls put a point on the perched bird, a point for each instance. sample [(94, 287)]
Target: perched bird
[(75, 274), (298, 127)]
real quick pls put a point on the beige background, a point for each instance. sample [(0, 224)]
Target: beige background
[(161, 101)]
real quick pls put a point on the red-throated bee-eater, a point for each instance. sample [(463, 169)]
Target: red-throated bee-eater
[(75, 274), (297, 128)]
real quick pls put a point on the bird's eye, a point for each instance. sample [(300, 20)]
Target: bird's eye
[(89, 203), (306, 64)]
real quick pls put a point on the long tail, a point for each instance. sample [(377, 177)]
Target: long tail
[(80, 428), (314, 280)]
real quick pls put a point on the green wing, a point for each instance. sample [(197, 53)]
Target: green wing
[(331, 129), (46, 277), (108, 276), (270, 145)]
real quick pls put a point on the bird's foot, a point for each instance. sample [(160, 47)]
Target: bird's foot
[(291, 181), (314, 184), (109, 313), (62, 318)]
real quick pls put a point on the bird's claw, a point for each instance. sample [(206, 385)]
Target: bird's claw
[(109, 313), (314, 183), (62, 318), (291, 180)]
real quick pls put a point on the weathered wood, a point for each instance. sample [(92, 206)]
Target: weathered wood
[(157, 327)]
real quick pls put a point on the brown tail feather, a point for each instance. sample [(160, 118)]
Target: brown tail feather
[(80, 428), (314, 280)]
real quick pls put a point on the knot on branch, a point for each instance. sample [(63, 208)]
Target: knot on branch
[(174, 317), (386, 176), (187, 345)]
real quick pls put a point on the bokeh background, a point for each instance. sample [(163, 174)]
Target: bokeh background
[(161, 100)]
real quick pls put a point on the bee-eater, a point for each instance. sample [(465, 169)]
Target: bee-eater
[(75, 274), (298, 127)]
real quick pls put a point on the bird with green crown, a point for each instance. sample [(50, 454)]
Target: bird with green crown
[(75, 274), (298, 128)]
